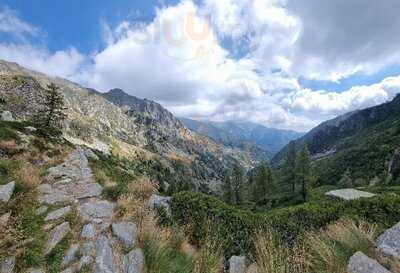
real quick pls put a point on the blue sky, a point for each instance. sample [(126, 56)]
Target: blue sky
[(274, 62)]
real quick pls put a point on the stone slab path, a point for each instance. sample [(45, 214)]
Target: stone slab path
[(102, 241)]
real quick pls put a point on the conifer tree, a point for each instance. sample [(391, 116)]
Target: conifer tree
[(227, 188), (51, 114), (237, 181), (291, 165), (263, 187), (303, 171)]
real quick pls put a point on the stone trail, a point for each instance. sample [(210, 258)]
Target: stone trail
[(102, 240)]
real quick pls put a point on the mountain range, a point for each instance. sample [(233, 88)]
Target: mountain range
[(115, 122), (360, 143), (236, 134)]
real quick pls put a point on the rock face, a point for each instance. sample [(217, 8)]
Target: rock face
[(133, 262), (72, 180), (349, 194), (56, 235), (360, 263), (7, 266), (125, 232), (389, 242), (237, 264), (6, 191)]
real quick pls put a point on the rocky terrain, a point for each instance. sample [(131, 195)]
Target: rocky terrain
[(116, 121)]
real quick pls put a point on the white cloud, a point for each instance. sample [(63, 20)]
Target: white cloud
[(64, 63), (178, 58), (11, 24)]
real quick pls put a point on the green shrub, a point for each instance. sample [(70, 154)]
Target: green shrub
[(236, 227)]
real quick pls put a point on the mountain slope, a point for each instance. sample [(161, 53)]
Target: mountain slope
[(236, 133), (361, 142), (118, 123)]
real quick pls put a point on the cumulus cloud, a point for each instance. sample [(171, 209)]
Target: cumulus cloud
[(339, 38), (181, 60), (63, 63)]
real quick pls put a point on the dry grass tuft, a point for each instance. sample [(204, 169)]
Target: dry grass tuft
[(133, 203), (273, 256), (9, 145), (356, 236), (331, 248)]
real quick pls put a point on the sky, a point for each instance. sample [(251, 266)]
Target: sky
[(288, 64)]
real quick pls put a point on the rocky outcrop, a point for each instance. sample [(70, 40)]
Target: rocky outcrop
[(389, 242), (6, 191), (349, 194), (237, 264), (360, 263)]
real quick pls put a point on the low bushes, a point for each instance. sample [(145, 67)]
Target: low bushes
[(235, 227)]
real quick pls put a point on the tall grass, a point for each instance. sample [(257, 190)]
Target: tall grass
[(326, 251), (272, 256)]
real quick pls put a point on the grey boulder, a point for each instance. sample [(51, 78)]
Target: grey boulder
[(389, 242), (237, 264), (7, 116), (133, 262), (360, 263), (126, 232), (6, 191)]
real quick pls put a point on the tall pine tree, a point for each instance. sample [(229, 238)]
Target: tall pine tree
[(227, 188), (237, 181), (263, 185), (51, 114), (291, 165), (303, 171)]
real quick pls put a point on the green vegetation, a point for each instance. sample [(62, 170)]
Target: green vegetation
[(51, 114), (24, 235), (236, 227)]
